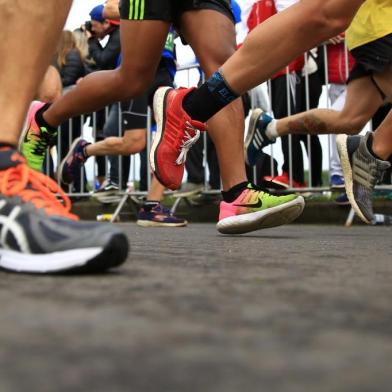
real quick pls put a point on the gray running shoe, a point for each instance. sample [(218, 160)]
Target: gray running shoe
[(361, 171), (39, 235)]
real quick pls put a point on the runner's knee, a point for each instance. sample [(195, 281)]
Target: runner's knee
[(133, 84)]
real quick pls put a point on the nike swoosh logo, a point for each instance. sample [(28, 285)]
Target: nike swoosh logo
[(252, 205)]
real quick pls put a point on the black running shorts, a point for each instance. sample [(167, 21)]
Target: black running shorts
[(169, 10), (373, 57)]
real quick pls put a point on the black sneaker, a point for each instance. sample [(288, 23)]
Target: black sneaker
[(361, 171), (39, 235), (256, 138), (108, 193)]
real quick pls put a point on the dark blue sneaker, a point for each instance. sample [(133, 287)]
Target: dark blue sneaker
[(336, 182), (256, 139), (158, 216), (72, 163), (342, 200)]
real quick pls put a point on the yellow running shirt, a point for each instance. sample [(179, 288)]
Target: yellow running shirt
[(372, 21)]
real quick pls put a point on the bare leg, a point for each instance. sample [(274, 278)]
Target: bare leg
[(21, 75), (156, 190), (280, 39), (212, 37), (382, 138), (28, 199), (384, 82), (131, 143), (141, 44), (50, 88), (362, 101)]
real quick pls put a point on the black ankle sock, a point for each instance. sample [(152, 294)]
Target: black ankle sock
[(84, 151), (148, 205), (41, 121), (213, 95), (7, 146), (230, 195)]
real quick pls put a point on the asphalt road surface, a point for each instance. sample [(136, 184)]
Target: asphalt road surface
[(299, 308)]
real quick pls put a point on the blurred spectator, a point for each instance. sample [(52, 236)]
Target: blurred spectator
[(69, 63), (340, 63), (308, 93), (69, 60), (105, 58), (288, 95), (81, 38)]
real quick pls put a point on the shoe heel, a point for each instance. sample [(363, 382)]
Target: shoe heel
[(159, 108)]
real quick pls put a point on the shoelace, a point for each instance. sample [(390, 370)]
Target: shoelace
[(187, 142), (36, 188)]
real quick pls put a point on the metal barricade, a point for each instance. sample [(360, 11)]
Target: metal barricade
[(188, 75)]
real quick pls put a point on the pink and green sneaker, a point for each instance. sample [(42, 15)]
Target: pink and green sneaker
[(255, 209), (35, 140)]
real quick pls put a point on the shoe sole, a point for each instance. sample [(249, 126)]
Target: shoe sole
[(342, 204), (251, 130), (107, 199), (159, 115), (75, 261), (271, 217), (341, 142), (145, 223), (62, 163), (337, 187)]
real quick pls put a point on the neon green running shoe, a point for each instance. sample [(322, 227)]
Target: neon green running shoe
[(255, 209), (34, 139)]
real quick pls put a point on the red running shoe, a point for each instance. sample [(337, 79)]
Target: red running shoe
[(176, 133)]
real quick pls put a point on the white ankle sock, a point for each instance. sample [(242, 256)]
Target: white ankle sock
[(271, 130)]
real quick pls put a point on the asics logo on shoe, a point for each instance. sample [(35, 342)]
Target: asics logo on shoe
[(258, 204), (11, 230)]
